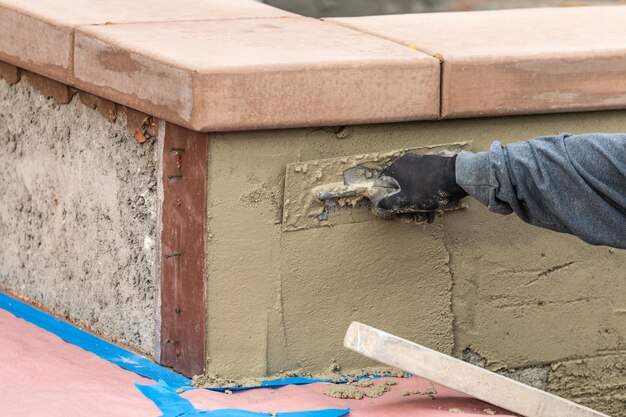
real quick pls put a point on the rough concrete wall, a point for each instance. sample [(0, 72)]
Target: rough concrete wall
[(598, 382), (77, 214), (475, 284), (542, 296), (334, 8)]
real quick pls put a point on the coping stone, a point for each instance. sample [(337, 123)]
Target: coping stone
[(517, 61), (38, 34), (256, 73), (219, 65)]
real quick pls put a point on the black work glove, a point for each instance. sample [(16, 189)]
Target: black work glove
[(426, 182)]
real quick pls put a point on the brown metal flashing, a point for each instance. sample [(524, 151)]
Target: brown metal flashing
[(182, 257), (10, 73), (106, 108), (59, 92)]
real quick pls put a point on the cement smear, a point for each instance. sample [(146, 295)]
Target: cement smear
[(599, 383), (216, 381), (210, 380), (302, 208), (520, 297), (77, 214), (524, 297)]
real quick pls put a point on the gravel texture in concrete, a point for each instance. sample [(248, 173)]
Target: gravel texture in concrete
[(78, 214)]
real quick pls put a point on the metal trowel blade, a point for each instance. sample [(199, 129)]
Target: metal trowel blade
[(360, 181)]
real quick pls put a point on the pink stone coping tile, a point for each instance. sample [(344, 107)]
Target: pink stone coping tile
[(256, 73), (219, 65), (518, 61), (38, 34)]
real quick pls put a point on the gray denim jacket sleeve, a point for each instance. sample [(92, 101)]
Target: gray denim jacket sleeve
[(568, 183)]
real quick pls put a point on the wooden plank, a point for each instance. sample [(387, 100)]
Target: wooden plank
[(182, 255), (460, 376)]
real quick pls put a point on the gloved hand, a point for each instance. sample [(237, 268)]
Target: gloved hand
[(426, 182)]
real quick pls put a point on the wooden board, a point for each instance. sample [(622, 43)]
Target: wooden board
[(460, 376), (182, 260)]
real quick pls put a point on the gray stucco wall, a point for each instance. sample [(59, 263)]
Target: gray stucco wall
[(78, 214)]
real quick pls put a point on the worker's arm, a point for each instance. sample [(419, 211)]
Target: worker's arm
[(571, 184)]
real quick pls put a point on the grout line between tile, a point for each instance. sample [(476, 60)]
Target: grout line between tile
[(439, 57), (343, 25), (441, 81), (376, 35)]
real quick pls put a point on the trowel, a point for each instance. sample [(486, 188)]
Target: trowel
[(347, 189), (359, 182), (363, 181)]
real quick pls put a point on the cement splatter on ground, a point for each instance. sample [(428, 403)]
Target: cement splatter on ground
[(362, 388), (334, 374), (364, 383), (430, 391), (377, 391), (215, 381), (344, 391)]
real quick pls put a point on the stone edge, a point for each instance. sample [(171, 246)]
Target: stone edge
[(64, 72)]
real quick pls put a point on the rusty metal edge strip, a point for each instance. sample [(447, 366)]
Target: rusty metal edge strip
[(182, 250)]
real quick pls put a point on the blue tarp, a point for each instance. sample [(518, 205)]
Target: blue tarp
[(107, 351), (163, 393), (173, 405), (121, 357)]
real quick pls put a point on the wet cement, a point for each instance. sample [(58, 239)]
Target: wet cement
[(595, 382), (518, 296), (302, 207), (361, 378)]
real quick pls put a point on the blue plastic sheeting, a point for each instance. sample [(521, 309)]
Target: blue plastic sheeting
[(173, 405), (121, 357), (107, 351)]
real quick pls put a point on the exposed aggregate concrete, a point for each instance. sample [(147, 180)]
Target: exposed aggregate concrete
[(78, 214)]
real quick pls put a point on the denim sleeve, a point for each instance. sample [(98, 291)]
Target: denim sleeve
[(573, 184)]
